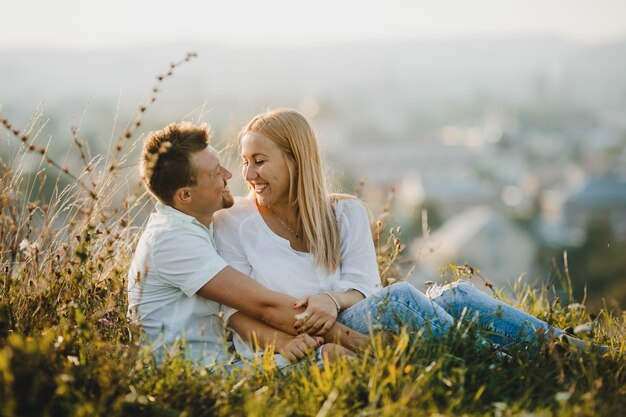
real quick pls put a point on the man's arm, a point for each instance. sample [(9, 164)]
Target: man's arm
[(256, 332), (237, 290)]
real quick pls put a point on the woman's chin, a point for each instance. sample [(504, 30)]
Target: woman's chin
[(261, 201)]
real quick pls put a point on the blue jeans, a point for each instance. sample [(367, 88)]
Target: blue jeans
[(402, 305)]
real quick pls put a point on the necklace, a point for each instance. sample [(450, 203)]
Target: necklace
[(285, 225)]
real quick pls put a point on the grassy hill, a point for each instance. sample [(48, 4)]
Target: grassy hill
[(67, 348)]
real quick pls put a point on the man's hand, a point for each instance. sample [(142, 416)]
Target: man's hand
[(332, 352), (298, 347), (319, 316)]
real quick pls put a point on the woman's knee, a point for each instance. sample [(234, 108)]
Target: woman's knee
[(454, 293), (406, 296), (401, 290)]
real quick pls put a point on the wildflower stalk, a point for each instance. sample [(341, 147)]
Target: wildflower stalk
[(130, 130), (43, 151)]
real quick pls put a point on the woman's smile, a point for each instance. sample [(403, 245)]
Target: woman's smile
[(259, 188), (264, 169)]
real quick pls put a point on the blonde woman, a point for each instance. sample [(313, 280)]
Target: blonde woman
[(294, 237)]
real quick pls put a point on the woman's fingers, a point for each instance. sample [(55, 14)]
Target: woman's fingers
[(301, 320), (309, 313), (304, 317), (310, 321), (316, 327), (326, 327), (317, 306), (316, 323), (301, 302)]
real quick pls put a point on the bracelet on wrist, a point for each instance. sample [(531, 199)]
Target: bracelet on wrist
[(334, 300)]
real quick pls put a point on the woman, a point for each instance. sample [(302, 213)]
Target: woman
[(294, 237)]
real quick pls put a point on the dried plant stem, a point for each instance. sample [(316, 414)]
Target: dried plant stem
[(31, 147), (128, 133)]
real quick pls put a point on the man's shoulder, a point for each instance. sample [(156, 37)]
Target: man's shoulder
[(169, 224), (171, 234)]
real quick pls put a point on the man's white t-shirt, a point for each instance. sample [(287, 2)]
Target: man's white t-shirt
[(247, 243), (175, 257)]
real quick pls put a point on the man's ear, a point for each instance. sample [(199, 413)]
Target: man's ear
[(182, 196)]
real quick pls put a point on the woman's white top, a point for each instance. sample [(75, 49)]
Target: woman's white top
[(247, 243)]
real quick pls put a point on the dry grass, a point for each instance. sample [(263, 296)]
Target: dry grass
[(67, 348)]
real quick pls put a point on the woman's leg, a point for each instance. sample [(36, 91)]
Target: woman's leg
[(505, 325), (394, 307)]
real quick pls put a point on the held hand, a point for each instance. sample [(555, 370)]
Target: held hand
[(319, 316), (298, 347), (332, 352)]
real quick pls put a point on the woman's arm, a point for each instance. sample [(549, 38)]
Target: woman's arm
[(359, 275), (322, 309), (359, 266)]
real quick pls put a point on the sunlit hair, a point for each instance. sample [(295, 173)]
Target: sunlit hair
[(308, 193), (165, 159)]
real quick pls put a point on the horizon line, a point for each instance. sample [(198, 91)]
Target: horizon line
[(317, 44)]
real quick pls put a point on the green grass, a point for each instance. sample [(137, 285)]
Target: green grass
[(66, 347)]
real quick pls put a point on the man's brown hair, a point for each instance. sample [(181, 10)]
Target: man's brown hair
[(166, 164)]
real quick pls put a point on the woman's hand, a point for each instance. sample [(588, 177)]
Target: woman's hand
[(319, 316), (298, 347)]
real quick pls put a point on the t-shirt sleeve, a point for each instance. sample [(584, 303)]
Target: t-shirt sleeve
[(359, 269), (186, 261)]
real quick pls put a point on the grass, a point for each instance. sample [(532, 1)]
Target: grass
[(67, 348)]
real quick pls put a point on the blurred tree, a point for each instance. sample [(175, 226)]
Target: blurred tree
[(599, 264)]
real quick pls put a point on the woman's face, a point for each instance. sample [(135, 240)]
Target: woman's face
[(265, 169)]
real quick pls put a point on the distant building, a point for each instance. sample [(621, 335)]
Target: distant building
[(600, 197), (482, 238)]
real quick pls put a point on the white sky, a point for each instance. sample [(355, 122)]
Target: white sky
[(89, 24)]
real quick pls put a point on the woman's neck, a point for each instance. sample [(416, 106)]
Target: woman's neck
[(282, 219), (284, 212)]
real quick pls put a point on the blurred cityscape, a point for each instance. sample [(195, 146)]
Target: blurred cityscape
[(512, 151)]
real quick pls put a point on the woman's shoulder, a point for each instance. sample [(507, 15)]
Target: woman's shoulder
[(243, 209), (348, 207)]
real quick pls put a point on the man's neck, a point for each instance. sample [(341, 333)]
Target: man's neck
[(204, 219)]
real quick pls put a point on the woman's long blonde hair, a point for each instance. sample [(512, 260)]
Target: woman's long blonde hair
[(308, 193)]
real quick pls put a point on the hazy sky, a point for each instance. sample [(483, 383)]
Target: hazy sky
[(88, 24)]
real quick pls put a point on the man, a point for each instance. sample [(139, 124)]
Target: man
[(177, 280)]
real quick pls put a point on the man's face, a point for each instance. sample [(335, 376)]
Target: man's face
[(211, 192)]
